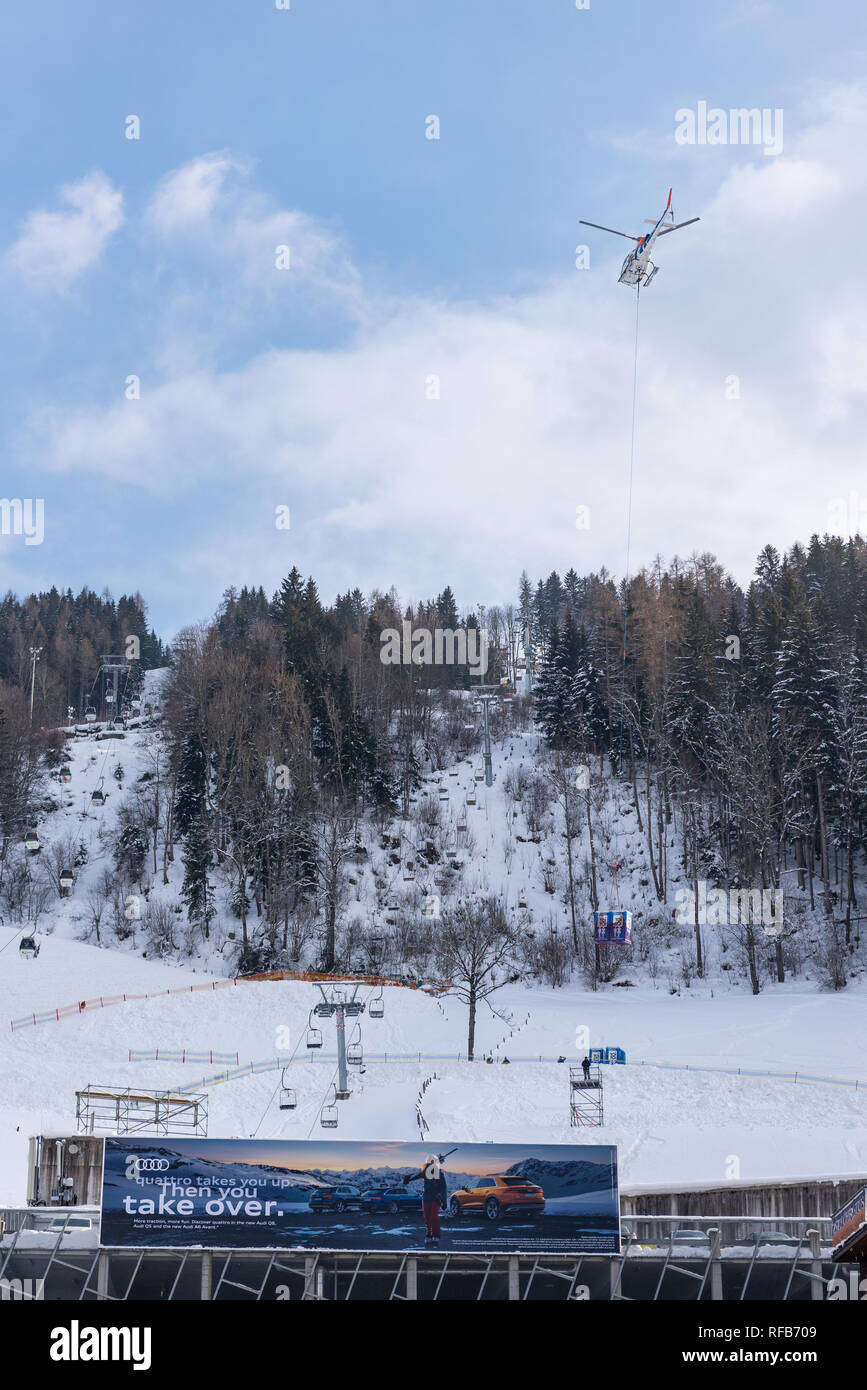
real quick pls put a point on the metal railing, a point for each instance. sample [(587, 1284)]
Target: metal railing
[(655, 1268)]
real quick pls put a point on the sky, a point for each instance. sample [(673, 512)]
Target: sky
[(333, 280)]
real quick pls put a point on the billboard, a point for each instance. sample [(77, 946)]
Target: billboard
[(360, 1195), (848, 1222), (614, 927)]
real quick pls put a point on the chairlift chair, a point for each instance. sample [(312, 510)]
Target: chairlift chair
[(376, 1008), (328, 1117), (65, 774), (31, 842), (288, 1099), (67, 878), (27, 948), (354, 1055), (314, 1036), (97, 797), (90, 713)]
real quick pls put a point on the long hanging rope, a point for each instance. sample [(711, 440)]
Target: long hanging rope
[(629, 526)]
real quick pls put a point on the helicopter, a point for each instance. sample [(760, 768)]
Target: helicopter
[(638, 268)]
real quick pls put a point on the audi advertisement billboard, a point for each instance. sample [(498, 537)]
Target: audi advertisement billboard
[(361, 1195)]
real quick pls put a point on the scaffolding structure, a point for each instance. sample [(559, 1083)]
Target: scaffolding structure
[(585, 1098), (114, 1110)]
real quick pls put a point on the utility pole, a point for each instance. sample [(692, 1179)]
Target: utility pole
[(35, 653)]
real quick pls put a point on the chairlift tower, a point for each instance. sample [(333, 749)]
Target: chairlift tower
[(485, 694), (585, 1098), (113, 666), (35, 653), (333, 1005)]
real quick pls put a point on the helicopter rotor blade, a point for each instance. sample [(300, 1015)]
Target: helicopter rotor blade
[(678, 225), (600, 228)]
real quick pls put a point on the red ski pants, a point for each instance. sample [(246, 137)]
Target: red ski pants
[(431, 1217)]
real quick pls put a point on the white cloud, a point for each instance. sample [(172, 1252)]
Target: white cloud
[(54, 248), (187, 196), (238, 231)]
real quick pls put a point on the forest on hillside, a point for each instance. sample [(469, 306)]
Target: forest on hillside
[(72, 633), (735, 723)]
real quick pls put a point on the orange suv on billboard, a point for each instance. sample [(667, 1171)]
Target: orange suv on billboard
[(498, 1195)]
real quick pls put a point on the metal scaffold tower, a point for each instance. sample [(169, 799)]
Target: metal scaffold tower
[(585, 1097), (117, 1110)]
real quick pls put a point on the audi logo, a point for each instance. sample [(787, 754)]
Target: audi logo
[(152, 1165)]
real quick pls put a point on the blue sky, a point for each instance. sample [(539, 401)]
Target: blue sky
[(413, 258)]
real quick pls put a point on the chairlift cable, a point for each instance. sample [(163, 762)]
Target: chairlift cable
[(13, 939), (279, 1085), (267, 1108), (322, 1103), (629, 527)]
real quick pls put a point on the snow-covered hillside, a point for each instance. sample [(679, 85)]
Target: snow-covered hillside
[(670, 1125)]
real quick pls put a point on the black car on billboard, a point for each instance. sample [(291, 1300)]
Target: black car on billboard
[(390, 1199), (344, 1198)]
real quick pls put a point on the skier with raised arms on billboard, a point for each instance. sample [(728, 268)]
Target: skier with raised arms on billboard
[(434, 1194)]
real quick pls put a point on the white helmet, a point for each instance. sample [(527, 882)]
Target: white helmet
[(432, 1167)]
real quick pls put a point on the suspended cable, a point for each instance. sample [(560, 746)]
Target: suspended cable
[(629, 526)]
